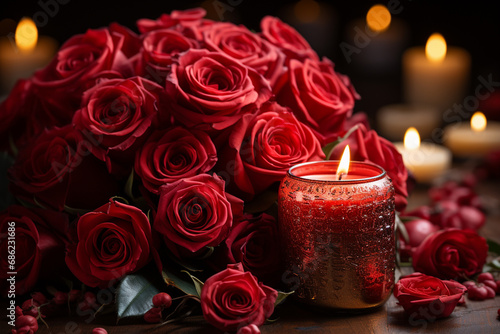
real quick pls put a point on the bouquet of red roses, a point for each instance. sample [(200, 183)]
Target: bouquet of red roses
[(138, 155)]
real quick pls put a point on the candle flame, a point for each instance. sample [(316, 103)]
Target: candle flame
[(343, 168), (412, 139), (435, 49), (26, 35), (378, 18), (478, 122)]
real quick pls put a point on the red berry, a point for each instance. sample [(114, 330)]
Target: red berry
[(477, 292), (60, 298), (99, 330), (153, 315), (485, 276), (491, 284), (162, 299), (498, 312), (468, 284), (491, 292)]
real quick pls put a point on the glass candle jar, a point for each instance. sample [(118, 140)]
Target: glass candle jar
[(338, 235)]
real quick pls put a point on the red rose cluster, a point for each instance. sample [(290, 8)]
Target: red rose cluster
[(186, 120)]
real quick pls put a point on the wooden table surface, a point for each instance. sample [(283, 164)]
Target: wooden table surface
[(474, 317)]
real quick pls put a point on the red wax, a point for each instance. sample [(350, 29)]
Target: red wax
[(338, 236)]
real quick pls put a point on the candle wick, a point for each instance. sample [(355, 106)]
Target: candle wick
[(341, 175)]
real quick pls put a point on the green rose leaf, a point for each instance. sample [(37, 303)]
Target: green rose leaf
[(134, 296), (281, 297), (182, 283)]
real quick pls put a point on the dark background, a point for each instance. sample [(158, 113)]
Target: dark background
[(473, 25)]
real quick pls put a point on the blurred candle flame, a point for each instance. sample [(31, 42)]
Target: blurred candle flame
[(435, 49), (378, 18), (26, 35), (478, 122), (307, 10), (343, 168), (412, 139)]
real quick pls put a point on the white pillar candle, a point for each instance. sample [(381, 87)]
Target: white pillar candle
[(426, 161), (394, 119), (434, 77), (474, 139)]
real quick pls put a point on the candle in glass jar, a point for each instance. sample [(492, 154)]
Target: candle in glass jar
[(338, 235)]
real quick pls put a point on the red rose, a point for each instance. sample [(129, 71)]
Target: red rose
[(212, 91), (79, 63), (253, 243), (113, 241), (195, 212), (366, 145), (232, 299), (118, 113), (57, 171), (451, 254), (317, 95), (24, 117), (159, 49), (130, 42), (287, 39), (262, 147), (189, 17), (174, 154), (38, 251), (252, 50), (425, 296)]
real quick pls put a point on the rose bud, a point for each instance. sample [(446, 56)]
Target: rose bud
[(99, 330), (162, 299), (153, 315), (60, 298), (485, 277), (26, 324)]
